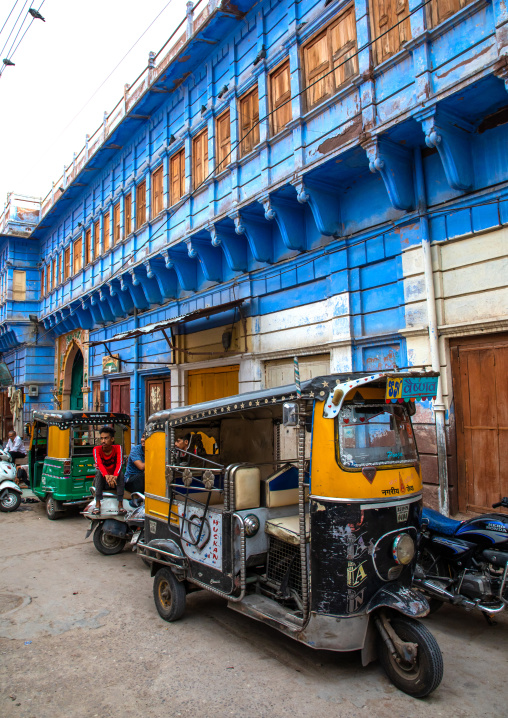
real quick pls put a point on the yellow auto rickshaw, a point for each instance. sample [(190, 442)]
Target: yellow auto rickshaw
[(305, 517)]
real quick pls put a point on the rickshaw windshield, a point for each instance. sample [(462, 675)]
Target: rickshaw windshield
[(373, 435), (85, 436)]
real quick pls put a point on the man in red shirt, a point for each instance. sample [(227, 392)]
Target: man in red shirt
[(108, 464)]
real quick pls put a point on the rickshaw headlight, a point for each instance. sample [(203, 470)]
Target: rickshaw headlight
[(251, 523), (403, 549)]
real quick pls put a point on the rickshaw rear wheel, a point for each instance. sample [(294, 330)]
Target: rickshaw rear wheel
[(106, 544), (169, 595), (10, 501), (425, 674), (53, 508)]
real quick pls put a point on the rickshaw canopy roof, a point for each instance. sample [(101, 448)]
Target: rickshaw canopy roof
[(67, 419), (318, 388)]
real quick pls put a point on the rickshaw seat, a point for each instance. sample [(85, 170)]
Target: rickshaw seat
[(281, 488), (287, 529)]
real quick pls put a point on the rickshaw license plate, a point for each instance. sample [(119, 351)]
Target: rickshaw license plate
[(135, 538), (402, 513)]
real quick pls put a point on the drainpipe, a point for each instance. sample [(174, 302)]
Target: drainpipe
[(136, 381), (439, 407)]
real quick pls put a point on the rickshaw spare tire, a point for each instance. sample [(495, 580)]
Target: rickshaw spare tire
[(106, 544), (169, 595), (53, 508), (423, 677), (10, 501)]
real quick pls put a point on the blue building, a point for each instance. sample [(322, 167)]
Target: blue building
[(321, 179)]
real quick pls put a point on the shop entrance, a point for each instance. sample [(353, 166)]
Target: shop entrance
[(210, 384), (76, 396), (120, 396), (480, 388)]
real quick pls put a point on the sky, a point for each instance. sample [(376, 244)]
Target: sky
[(59, 65)]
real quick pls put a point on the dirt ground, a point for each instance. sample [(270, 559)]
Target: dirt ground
[(80, 636)]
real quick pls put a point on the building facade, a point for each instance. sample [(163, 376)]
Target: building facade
[(320, 179)]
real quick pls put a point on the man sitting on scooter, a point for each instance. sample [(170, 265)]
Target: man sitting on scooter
[(108, 463)]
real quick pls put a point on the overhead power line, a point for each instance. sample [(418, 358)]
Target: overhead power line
[(8, 16), (34, 15), (13, 28)]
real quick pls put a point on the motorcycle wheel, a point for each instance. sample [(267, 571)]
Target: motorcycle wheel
[(422, 677), (53, 509), (10, 501), (107, 545), (169, 595)]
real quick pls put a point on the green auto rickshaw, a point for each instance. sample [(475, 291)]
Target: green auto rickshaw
[(60, 459)]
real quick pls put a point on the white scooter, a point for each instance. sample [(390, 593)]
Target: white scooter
[(10, 493), (111, 531)]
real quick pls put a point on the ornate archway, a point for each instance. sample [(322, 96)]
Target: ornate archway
[(72, 383)]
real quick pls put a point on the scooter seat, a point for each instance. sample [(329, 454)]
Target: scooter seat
[(439, 523)]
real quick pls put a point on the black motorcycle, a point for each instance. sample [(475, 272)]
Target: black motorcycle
[(464, 563)]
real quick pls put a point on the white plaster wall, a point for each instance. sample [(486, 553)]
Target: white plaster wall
[(304, 327)]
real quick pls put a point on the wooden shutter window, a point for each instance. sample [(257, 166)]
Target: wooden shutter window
[(54, 281), (333, 49), (223, 141), (280, 97), (317, 64), (200, 158), (343, 47), (106, 233), (48, 278), (177, 177), (157, 196), (249, 121), (18, 285), (88, 245), (140, 204), (97, 239), (78, 259), (387, 14), (43, 279), (116, 223), (440, 10), (67, 263), (128, 213)]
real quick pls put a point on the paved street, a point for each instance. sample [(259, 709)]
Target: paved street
[(80, 636)]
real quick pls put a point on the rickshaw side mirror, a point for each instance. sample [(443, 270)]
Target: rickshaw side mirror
[(290, 414), (27, 428)]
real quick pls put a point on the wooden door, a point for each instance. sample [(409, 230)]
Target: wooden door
[(5, 416), (158, 395), (96, 396), (209, 384), (480, 383), (120, 396)]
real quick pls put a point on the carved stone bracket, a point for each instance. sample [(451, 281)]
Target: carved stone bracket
[(208, 257), (394, 164), (233, 246), (323, 202), (500, 70), (451, 136), (258, 233), (289, 221)]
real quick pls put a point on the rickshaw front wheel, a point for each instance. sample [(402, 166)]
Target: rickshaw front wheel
[(420, 678), (169, 595)]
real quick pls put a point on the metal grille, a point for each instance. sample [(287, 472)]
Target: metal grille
[(284, 564)]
